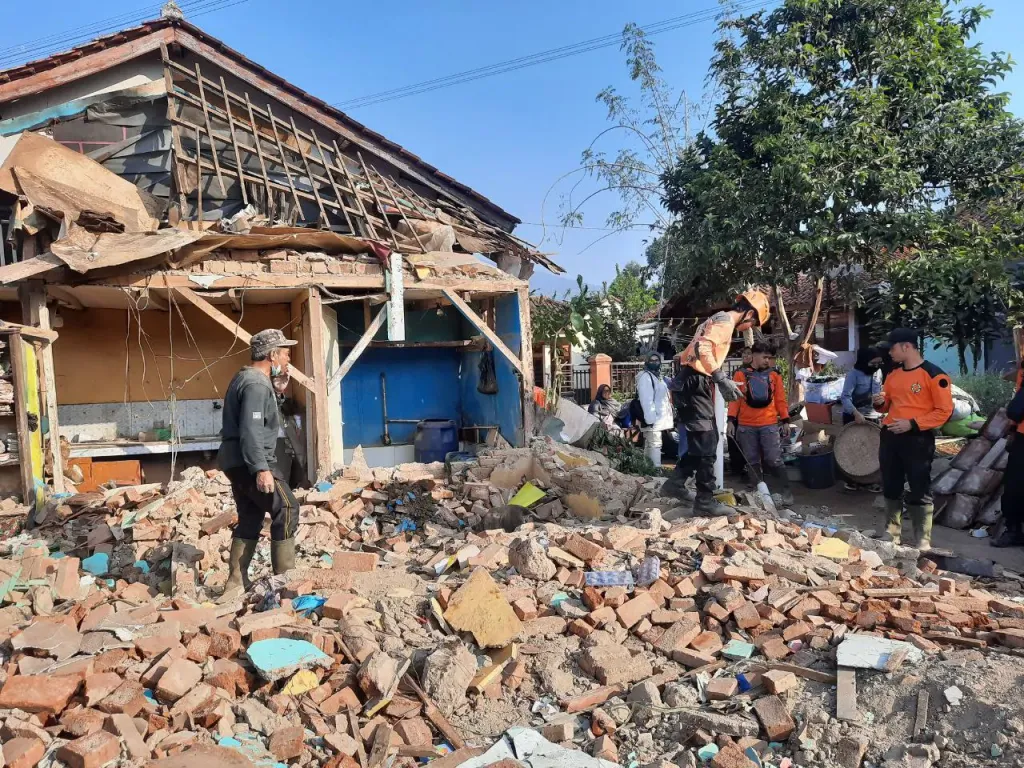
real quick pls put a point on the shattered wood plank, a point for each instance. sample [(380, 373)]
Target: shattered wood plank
[(921, 718), (805, 672), (360, 347), (846, 694), (22, 270), (353, 723), (379, 748)]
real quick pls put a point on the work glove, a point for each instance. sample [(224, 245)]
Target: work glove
[(784, 431), (729, 389)]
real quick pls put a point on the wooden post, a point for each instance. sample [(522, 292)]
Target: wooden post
[(526, 355), (38, 315), (396, 302), (28, 486), (318, 367)]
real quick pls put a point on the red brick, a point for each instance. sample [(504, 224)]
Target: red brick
[(66, 581), (587, 551), (731, 756), (287, 743), (736, 573), (225, 643), (746, 616), (339, 604), (602, 616), (125, 729), (775, 649), (796, 631), (685, 588), (342, 700), (198, 649), (592, 598), (90, 751), (707, 642), (604, 748), (355, 561), (775, 718), (128, 699), (716, 611), (223, 520), (580, 628), (692, 659), (947, 586), (677, 637), (415, 732), (525, 608), (778, 681), (80, 722), (38, 693), (178, 680), (23, 752), (101, 685), (721, 688), (615, 596), (631, 612)]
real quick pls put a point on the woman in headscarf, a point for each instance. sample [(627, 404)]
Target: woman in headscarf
[(604, 406), (862, 384)]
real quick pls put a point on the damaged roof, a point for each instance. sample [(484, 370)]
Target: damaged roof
[(39, 75)]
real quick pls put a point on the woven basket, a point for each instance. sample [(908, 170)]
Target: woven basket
[(856, 452)]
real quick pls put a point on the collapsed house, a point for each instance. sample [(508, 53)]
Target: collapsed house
[(163, 197)]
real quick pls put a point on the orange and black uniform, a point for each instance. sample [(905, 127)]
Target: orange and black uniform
[(924, 396), (693, 394)]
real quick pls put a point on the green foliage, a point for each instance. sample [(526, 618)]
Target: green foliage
[(961, 297), (846, 130), (625, 456), (564, 321), (990, 390), (624, 302)]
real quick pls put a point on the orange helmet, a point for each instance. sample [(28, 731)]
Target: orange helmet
[(759, 301)]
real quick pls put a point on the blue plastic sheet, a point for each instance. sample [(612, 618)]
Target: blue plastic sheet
[(306, 604)]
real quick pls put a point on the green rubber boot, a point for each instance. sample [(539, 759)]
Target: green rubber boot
[(282, 555), (242, 551), (893, 520), (921, 518)]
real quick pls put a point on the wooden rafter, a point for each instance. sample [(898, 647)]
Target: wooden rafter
[(358, 349), (478, 322)]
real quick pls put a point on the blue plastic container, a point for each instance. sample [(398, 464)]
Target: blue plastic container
[(818, 471), (435, 439)]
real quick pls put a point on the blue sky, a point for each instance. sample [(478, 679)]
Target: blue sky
[(509, 136)]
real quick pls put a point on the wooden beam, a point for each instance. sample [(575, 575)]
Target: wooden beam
[(39, 316), (22, 270), (318, 365), (234, 328), (526, 356), (65, 296), (149, 299), (357, 350), (478, 323), (28, 486), (267, 280), (209, 134), (45, 335)]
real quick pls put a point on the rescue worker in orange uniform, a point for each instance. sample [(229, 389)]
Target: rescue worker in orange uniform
[(1012, 501), (917, 400), (759, 419), (693, 392)]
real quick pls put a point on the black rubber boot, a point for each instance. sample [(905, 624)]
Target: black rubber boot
[(282, 555), (921, 518), (242, 551), (708, 506), (1012, 536), (675, 486)]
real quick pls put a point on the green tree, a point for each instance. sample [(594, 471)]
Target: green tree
[(846, 129), (622, 307), (959, 298), (563, 321)]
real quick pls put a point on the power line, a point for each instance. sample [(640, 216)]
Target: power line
[(44, 46), (542, 57)]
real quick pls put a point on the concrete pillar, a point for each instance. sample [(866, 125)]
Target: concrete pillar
[(600, 372)]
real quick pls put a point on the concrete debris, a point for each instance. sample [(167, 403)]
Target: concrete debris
[(412, 621)]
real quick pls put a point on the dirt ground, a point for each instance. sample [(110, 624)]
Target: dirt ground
[(858, 510)]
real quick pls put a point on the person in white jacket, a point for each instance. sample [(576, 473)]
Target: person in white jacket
[(653, 394)]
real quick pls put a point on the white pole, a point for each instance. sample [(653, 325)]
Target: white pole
[(720, 417)]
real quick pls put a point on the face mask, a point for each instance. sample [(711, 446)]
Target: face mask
[(653, 366)]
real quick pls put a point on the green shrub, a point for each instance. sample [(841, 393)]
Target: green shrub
[(989, 389)]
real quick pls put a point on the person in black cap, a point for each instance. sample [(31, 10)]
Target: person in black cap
[(248, 456), (917, 399)]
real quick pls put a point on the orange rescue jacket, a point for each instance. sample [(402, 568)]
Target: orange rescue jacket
[(924, 395), (710, 345), (770, 415)]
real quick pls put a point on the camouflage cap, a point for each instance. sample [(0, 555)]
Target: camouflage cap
[(263, 342)]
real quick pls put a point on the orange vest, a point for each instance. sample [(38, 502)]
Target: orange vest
[(710, 345), (923, 394), (748, 416)]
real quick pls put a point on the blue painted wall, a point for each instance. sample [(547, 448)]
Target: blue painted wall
[(422, 384), (435, 383), (505, 408)]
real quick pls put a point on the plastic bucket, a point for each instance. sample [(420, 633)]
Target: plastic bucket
[(435, 439), (818, 470)]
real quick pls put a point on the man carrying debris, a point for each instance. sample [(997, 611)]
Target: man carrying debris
[(248, 457), (758, 419), (693, 390), (917, 400)]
